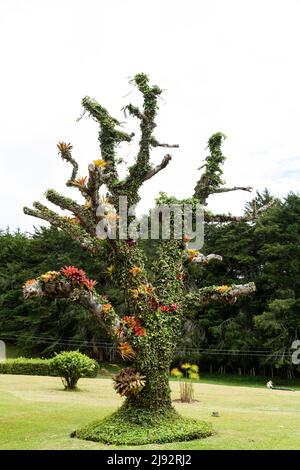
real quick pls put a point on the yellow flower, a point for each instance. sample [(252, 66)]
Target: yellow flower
[(100, 163), (194, 375), (110, 269), (139, 291), (49, 276), (186, 366), (135, 293), (191, 252), (135, 270), (176, 372), (222, 289)]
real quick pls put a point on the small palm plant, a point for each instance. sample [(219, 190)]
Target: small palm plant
[(186, 374)]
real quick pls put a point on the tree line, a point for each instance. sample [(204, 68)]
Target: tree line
[(252, 336)]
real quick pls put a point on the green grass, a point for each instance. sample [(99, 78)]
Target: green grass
[(35, 413), (247, 380)]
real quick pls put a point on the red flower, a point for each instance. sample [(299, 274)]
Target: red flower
[(174, 307), (139, 331), (74, 274), (89, 283), (129, 321), (164, 308), (130, 242), (135, 325)]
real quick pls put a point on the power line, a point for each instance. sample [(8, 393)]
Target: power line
[(68, 341)]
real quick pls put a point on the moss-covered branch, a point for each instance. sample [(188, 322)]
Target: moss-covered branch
[(65, 153), (81, 212), (70, 226), (109, 136), (142, 170), (211, 181), (72, 284), (223, 293)]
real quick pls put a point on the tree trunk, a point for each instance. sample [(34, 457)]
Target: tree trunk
[(155, 398)]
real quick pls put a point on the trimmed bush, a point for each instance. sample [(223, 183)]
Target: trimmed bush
[(71, 366), (26, 366)]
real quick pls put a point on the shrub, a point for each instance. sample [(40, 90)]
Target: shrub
[(71, 366), (25, 366)]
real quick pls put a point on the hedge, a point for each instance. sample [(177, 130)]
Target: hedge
[(25, 366)]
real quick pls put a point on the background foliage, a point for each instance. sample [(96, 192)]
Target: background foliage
[(254, 335)]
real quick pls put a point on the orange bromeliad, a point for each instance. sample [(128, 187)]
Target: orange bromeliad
[(126, 350)]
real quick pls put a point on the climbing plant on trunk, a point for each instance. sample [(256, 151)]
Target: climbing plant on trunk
[(157, 300)]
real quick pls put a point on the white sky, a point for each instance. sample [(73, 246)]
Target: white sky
[(230, 66)]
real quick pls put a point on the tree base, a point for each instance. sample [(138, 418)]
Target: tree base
[(126, 428)]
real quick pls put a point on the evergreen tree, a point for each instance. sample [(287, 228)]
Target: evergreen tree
[(48, 326)]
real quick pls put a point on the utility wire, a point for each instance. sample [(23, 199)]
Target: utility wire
[(68, 341)]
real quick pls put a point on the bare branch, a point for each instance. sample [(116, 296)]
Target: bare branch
[(200, 258), (235, 188), (208, 217), (156, 169)]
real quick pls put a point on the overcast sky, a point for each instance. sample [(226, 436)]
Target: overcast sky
[(226, 65)]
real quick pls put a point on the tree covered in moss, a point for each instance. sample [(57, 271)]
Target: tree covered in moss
[(157, 299)]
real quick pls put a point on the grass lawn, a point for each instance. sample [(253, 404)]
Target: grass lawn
[(35, 413)]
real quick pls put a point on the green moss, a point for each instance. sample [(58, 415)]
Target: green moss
[(123, 429)]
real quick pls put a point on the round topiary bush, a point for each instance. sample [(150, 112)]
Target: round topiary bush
[(71, 366)]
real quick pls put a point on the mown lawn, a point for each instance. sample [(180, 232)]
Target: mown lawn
[(35, 413)]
